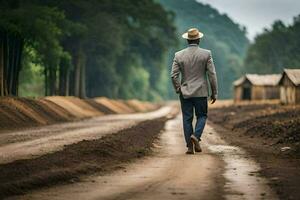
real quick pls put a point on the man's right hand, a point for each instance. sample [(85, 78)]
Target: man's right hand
[(213, 99)]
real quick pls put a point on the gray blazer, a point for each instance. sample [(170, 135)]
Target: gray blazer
[(193, 63)]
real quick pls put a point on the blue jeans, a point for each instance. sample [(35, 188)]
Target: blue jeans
[(188, 106)]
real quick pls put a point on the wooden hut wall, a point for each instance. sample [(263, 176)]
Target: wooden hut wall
[(297, 94), (257, 92), (272, 92), (238, 92), (288, 91)]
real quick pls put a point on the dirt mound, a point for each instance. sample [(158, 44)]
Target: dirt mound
[(267, 121), (282, 125), (139, 106), (76, 106), (26, 112), (98, 106), (116, 106), (86, 157)]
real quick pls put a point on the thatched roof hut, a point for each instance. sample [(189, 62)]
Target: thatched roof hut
[(290, 86), (257, 87)]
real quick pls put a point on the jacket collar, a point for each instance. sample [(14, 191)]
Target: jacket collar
[(193, 45)]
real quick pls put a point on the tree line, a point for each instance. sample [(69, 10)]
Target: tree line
[(87, 48), (276, 48)]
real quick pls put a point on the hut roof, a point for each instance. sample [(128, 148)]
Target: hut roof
[(259, 80), (293, 75)]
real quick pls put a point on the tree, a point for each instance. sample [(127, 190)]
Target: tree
[(91, 48), (24, 23), (275, 49)]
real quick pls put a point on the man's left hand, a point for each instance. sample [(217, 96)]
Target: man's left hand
[(213, 99)]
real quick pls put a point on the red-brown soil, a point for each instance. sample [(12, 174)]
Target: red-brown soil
[(139, 106), (78, 107), (24, 112), (114, 105), (264, 129), (16, 113)]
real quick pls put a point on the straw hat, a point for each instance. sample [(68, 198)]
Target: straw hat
[(192, 34)]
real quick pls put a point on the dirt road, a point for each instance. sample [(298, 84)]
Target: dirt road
[(270, 133), (220, 172), (34, 142)]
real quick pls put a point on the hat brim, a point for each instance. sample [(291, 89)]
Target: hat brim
[(186, 36)]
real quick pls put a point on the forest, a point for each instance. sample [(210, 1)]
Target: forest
[(84, 48), (124, 48), (276, 48)]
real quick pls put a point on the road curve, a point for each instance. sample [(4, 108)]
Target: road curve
[(38, 141)]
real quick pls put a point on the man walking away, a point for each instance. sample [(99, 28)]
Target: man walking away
[(194, 64)]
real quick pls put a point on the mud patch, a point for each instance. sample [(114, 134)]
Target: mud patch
[(240, 174), (263, 130), (86, 157)]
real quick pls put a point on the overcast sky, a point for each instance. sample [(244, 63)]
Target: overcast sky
[(257, 14)]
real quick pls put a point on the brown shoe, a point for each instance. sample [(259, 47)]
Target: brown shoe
[(190, 150), (196, 143)]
